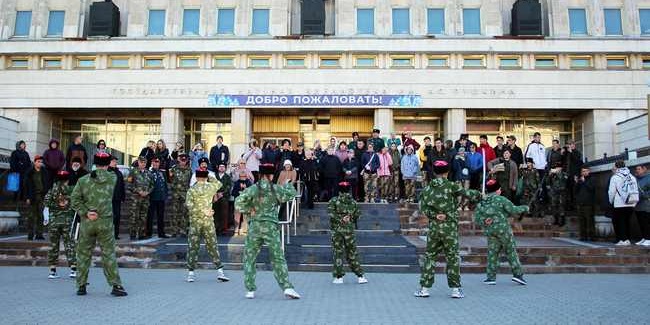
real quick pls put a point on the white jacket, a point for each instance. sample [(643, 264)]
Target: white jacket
[(537, 151), (615, 184)]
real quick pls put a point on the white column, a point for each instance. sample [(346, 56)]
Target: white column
[(384, 120), (172, 126), (455, 123), (241, 126), (34, 127)]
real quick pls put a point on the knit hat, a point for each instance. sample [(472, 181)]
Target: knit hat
[(38, 157), (267, 169), (202, 173), (492, 186), (287, 162), (440, 167), (102, 159), (62, 175), (344, 187)]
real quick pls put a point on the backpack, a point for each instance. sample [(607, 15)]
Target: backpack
[(629, 190)]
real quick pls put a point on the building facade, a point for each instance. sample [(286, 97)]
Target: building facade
[(189, 70)]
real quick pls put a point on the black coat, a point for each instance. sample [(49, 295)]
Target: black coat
[(585, 192), (147, 153), (330, 167), (285, 155), (29, 184), (219, 155), (517, 155), (77, 150), (119, 193), (19, 161), (309, 170), (573, 162), (75, 176)]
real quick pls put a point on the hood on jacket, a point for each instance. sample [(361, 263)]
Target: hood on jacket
[(623, 171), (18, 144), (58, 144), (100, 176)]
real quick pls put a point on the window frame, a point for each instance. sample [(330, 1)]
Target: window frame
[(480, 27), (338, 57), (162, 58), (584, 10), (85, 57), (286, 59), (617, 57), (648, 23), (444, 20), (119, 57), (149, 22), (223, 56), (581, 57), (198, 32), (268, 22), (11, 60), (392, 20), (410, 57), (483, 58), (47, 32), (29, 27), (356, 16), (518, 57), (447, 58), (47, 58), (374, 57), (546, 57), (250, 59), (620, 21), (234, 20), (180, 58), (645, 58)]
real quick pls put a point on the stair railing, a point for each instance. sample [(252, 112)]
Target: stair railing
[(292, 210)]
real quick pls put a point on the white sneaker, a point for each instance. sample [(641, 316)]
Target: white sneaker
[(640, 242), (53, 275), (221, 276), (291, 294), (422, 293), (457, 293), (73, 274), (250, 295), (620, 243), (627, 243), (190, 276), (337, 281), (646, 243), (362, 280)]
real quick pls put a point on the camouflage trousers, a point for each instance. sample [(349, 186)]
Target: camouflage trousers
[(179, 215), (344, 246), (58, 232), (394, 184), (370, 186), (409, 189), (91, 232), (558, 199), (384, 187), (260, 233), (498, 242), (202, 227), (138, 210), (34, 220), (528, 198), (442, 237), (426, 178)]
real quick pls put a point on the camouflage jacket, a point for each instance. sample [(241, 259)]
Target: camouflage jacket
[(199, 199), (140, 180), (180, 180), (226, 181), (341, 206), (557, 182), (498, 208), (59, 193), (265, 199), (95, 193), (530, 178), (441, 197)]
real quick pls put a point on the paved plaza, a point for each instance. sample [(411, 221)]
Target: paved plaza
[(162, 296)]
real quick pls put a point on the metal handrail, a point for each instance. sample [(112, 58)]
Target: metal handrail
[(292, 211)]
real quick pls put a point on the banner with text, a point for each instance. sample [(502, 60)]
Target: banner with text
[(314, 100)]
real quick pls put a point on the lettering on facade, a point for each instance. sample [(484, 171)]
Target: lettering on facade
[(317, 100), (471, 92)]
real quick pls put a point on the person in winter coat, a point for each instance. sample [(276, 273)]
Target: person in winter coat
[(505, 171), (342, 151), (148, 152), (162, 153), (517, 154), (330, 170), (409, 166), (119, 195), (54, 160), (393, 139), (219, 154), (370, 165), (310, 176), (384, 175), (20, 163), (475, 160), (351, 173), (76, 149), (623, 192), (396, 158), (585, 195), (485, 149), (77, 171), (36, 188), (252, 157), (642, 209), (196, 154), (424, 155), (537, 152), (179, 149), (286, 153), (270, 155), (101, 146), (407, 140), (461, 168)]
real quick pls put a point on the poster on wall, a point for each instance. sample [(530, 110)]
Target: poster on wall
[(222, 100)]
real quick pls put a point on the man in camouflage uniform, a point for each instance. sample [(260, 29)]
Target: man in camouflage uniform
[(395, 169), (556, 183), (180, 176), (344, 212), (370, 165), (92, 199), (199, 204), (530, 182), (439, 202), (57, 200), (262, 203), (492, 214), (141, 182)]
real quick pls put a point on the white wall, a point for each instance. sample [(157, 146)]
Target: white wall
[(633, 133)]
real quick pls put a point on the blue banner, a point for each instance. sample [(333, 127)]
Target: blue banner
[(314, 100)]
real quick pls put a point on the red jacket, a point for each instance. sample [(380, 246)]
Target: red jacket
[(489, 152)]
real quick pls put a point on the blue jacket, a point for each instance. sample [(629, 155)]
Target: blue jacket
[(644, 194), (410, 166), (159, 192), (475, 161), (459, 165), (368, 158)]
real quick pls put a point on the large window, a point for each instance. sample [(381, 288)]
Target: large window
[(472, 21), (644, 20), (23, 23), (156, 23), (366, 21), (191, 19), (124, 138), (55, 23), (401, 21), (260, 22), (225, 21), (613, 25), (435, 21), (578, 22), (206, 132)]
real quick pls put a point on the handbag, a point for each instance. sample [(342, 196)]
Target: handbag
[(13, 182)]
